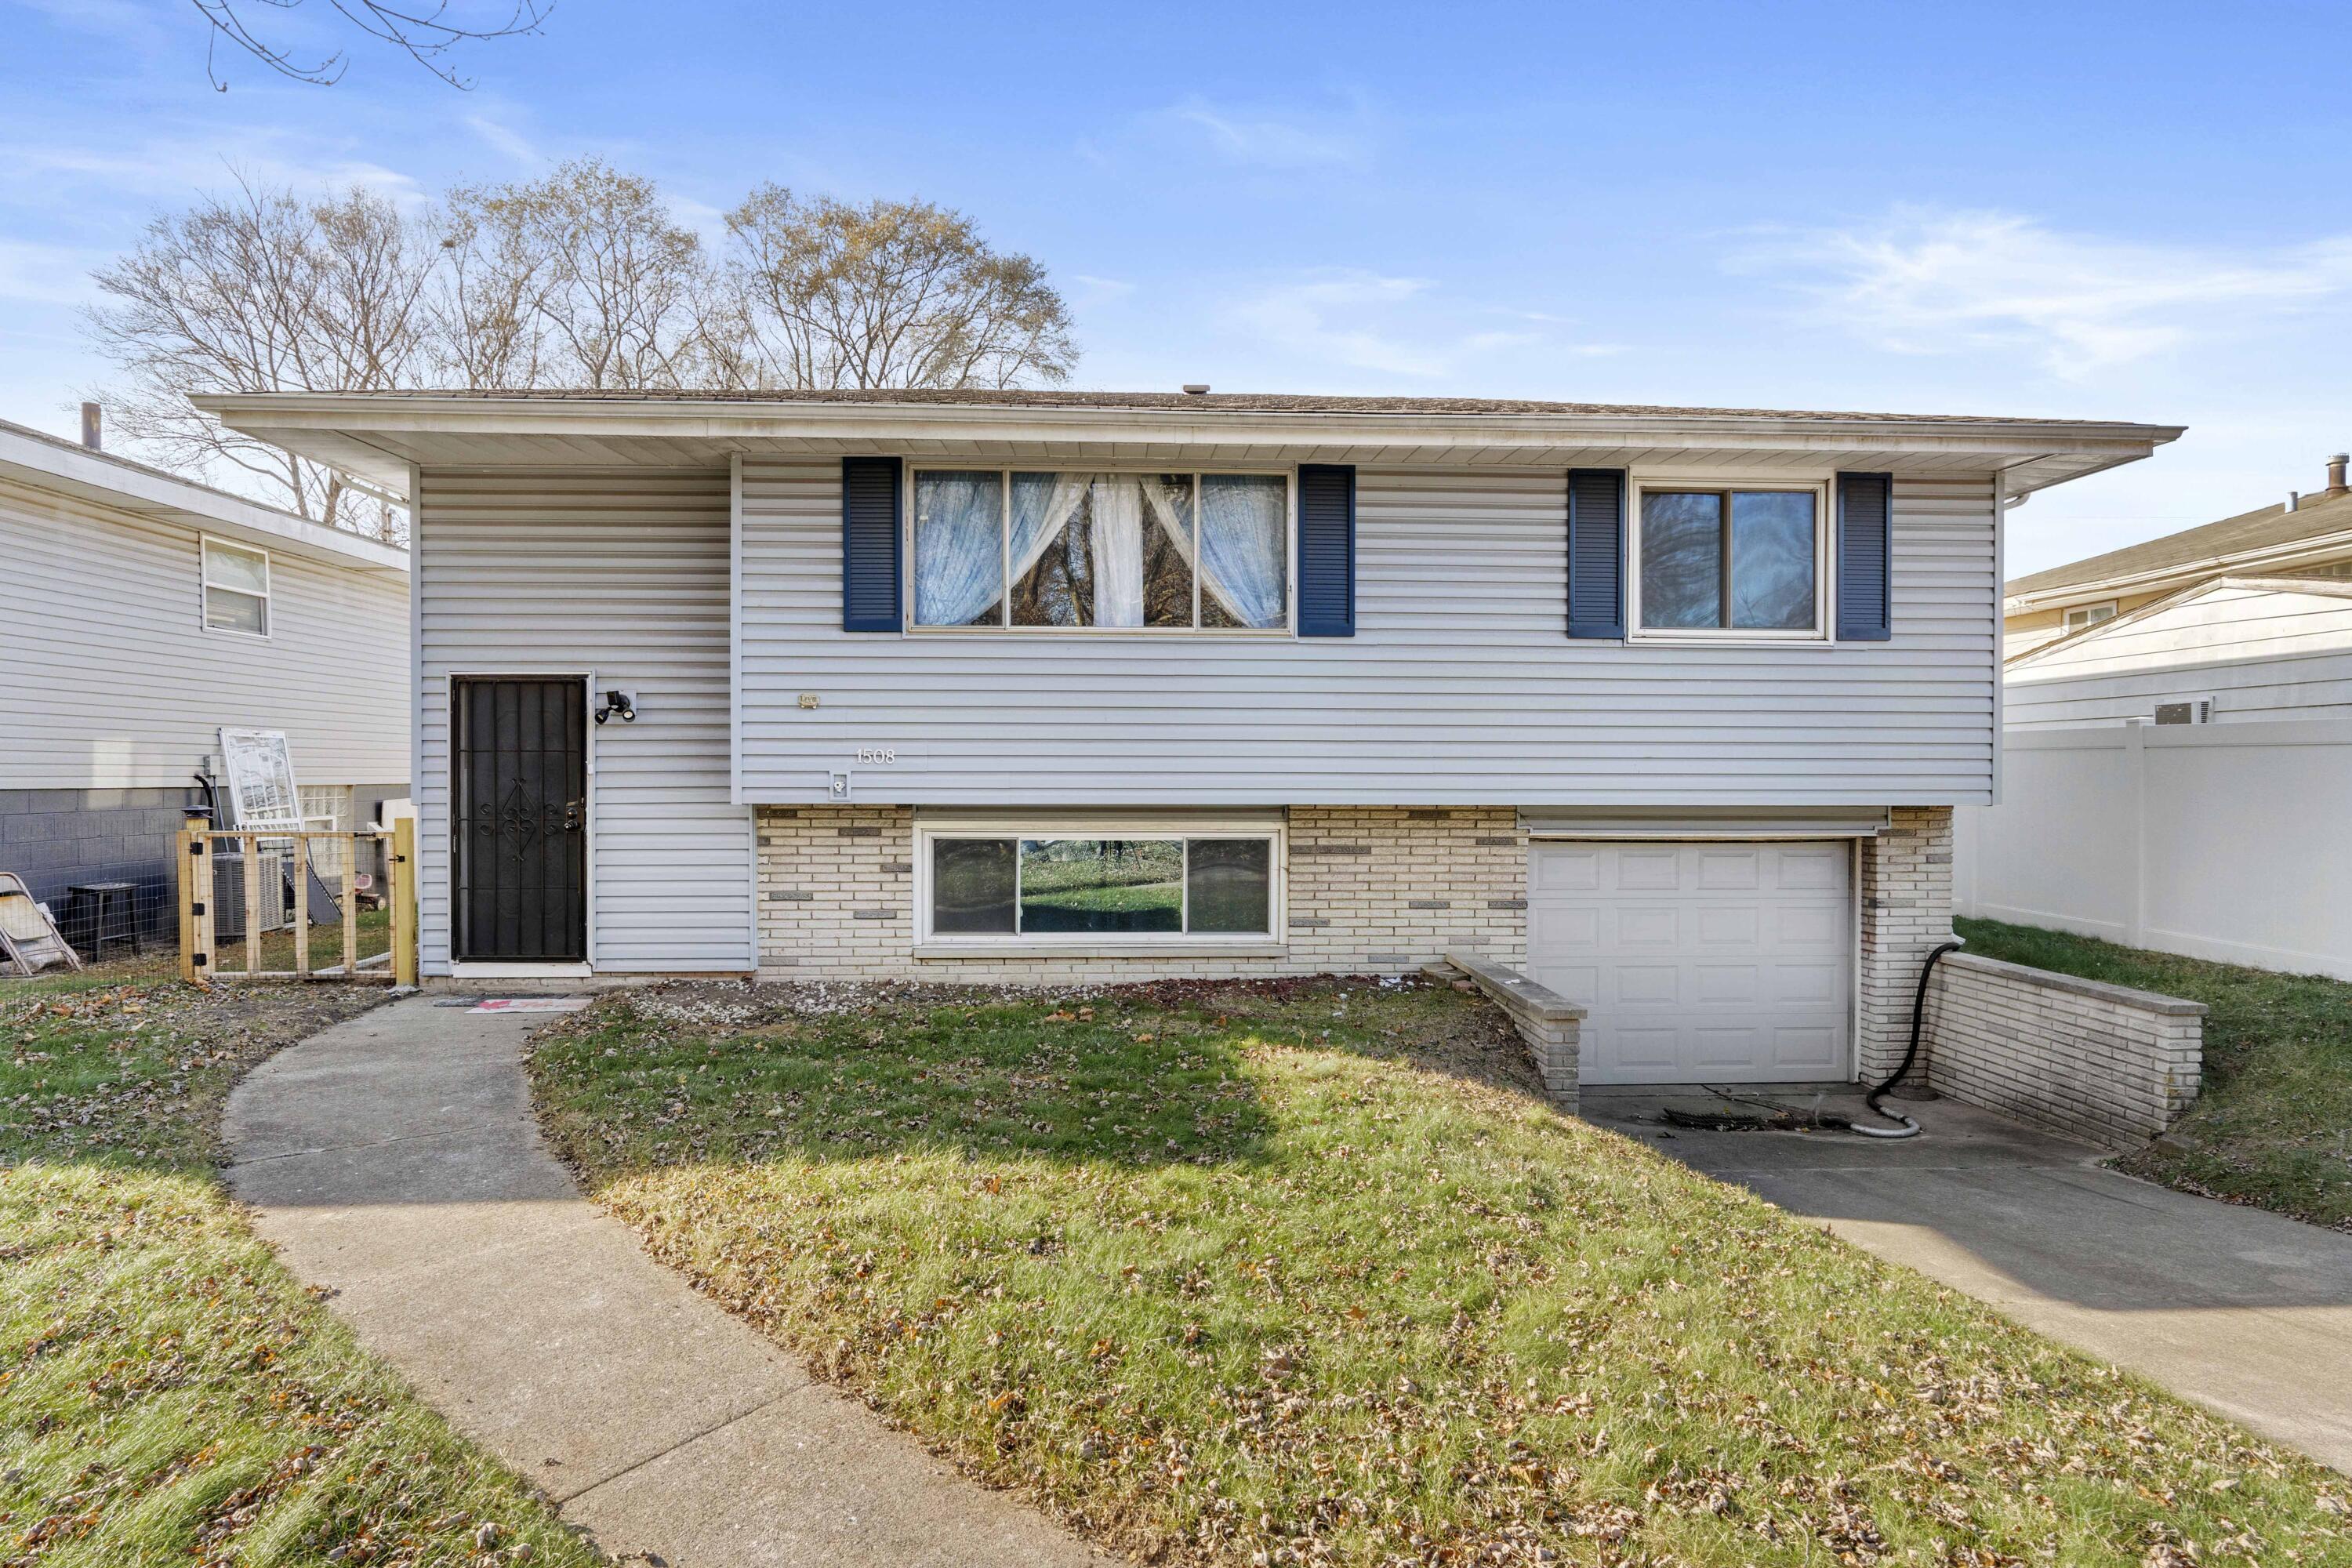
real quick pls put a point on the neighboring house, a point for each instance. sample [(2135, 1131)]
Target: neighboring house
[(1669, 707), (139, 614), (2228, 650), (2303, 537)]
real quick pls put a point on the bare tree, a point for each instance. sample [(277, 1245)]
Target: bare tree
[(825, 294), (426, 32), (580, 280), (261, 290)]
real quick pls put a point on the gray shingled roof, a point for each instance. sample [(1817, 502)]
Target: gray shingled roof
[(1213, 401), (2272, 527)]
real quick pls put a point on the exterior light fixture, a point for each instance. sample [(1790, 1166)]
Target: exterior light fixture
[(623, 703)]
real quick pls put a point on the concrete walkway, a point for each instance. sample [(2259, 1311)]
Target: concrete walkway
[(2241, 1311), (394, 1160)]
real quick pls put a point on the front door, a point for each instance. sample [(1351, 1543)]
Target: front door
[(518, 823)]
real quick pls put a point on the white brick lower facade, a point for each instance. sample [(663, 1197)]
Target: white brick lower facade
[(1905, 894), (1371, 890)]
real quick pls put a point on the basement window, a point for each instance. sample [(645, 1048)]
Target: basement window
[(236, 588), (1099, 887)]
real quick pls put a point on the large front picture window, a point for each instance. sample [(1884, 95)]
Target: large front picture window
[(1009, 886), (1170, 551), (1744, 561)]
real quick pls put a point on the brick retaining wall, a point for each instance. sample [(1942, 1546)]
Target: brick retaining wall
[(2099, 1062)]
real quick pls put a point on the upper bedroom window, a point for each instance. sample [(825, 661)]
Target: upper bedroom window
[(1742, 562), (1159, 551), (2080, 616), (237, 589)]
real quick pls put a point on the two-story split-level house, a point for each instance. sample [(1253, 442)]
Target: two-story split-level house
[(1669, 706)]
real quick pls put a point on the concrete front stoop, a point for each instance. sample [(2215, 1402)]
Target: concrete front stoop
[(394, 1160)]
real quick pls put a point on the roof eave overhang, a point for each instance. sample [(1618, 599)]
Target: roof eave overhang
[(93, 479), (378, 438), (2319, 547)]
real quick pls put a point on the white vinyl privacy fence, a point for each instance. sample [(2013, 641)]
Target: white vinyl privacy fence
[(2222, 841)]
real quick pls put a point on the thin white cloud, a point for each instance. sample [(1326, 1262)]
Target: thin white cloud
[(505, 141), (121, 19), (41, 274), (1099, 289), (1410, 327), (1928, 282), (1258, 138), (170, 170)]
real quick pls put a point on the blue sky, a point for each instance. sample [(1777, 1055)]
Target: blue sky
[(2134, 211)]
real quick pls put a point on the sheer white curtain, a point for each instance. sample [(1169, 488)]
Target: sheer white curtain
[(1243, 520), (1042, 505), (1240, 560), (959, 546), (1118, 508)]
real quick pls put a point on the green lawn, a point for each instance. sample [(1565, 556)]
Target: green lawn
[(168, 1392), (2274, 1124), (1307, 1273)]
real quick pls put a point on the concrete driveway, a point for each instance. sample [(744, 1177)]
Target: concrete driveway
[(2241, 1311)]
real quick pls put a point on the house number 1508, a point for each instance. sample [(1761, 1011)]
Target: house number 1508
[(878, 757)]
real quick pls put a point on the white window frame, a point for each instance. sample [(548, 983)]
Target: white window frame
[(1110, 943), (206, 586), (2090, 613), (1822, 632), (1004, 625)]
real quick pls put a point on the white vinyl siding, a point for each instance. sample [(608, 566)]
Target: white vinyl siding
[(114, 681), (2258, 652), (620, 577), (1460, 687)]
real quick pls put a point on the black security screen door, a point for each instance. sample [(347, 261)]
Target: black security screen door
[(519, 848)]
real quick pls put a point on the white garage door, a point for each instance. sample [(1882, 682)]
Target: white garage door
[(1699, 963)]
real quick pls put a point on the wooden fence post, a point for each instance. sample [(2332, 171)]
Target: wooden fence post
[(401, 869)]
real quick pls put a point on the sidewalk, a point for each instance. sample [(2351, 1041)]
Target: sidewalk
[(393, 1159)]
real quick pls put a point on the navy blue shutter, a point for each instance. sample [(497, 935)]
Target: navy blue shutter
[(1596, 553), (1865, 531), (869, 544), (1327, 551)]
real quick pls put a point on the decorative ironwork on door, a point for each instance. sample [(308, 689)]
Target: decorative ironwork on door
[(520, 849)]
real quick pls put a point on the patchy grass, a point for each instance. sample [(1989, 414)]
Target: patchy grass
[(168, 1392), (1307, 1273), (2272, 1125)]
